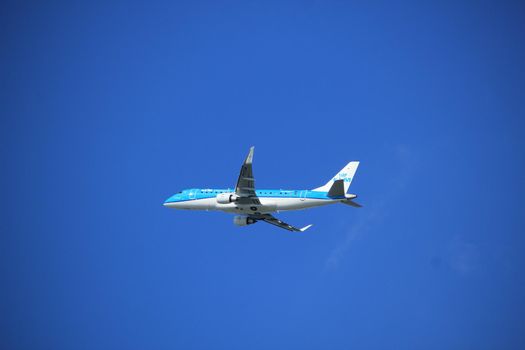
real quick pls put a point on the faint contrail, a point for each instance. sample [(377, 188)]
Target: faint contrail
[(375, 212)]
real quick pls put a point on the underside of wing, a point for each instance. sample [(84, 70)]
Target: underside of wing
[(245, 187), (274, 221)]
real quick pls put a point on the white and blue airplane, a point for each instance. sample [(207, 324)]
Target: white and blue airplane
[(253, 205)]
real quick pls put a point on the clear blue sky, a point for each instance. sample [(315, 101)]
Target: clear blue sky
[(109, 108)]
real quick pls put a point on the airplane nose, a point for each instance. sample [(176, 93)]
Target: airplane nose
[(173, 201), (168, 201), (170, 204)]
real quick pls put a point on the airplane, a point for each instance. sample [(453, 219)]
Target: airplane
[(253, 205)]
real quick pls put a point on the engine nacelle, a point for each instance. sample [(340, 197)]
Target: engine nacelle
[(243, 220), (226, 198)]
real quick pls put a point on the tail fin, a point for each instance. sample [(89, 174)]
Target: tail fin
[(346, 174)]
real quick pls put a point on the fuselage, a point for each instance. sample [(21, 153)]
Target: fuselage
[(270, 200)]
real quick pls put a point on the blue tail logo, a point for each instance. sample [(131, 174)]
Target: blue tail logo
[(342, 176)]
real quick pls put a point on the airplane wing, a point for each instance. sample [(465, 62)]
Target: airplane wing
[(274, 221), (245, 187)]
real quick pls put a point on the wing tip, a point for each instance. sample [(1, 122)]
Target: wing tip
[(249, 158), (305, 228)]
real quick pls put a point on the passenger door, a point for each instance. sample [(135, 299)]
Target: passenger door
[(303, 195)]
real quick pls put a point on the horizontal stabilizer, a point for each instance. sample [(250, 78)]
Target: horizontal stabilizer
[(352, 204)]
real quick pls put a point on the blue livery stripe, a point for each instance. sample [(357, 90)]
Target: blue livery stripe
[(203, 193)]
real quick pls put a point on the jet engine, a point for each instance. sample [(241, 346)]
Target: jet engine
[(243, 220), (225, 198)]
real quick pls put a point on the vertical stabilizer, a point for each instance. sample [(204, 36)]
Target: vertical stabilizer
[(346, 174)]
